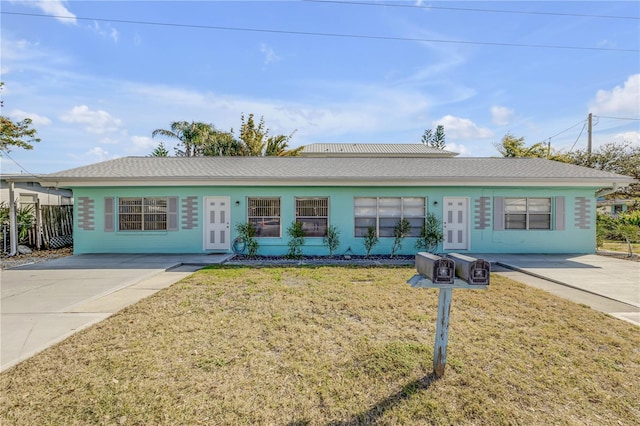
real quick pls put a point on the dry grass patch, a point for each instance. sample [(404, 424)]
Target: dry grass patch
[(339, 346)]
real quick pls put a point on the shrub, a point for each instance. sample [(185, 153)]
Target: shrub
[(402, 228), (25, 216), (332, 239), (430, 234), (247, 233), (370, 240), (296, 240)]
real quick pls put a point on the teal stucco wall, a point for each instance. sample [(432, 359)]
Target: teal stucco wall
[(578, 235)]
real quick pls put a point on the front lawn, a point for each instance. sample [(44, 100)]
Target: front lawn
[(333, 345)]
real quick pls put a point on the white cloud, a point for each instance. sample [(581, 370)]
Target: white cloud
[(108, 32), (98, 154), (97, 122), (142, 144), (55, 8), (365, 108), (620, 100), (632, 136), (459, 148), (269, 54), (462, 128), (37, 120), (501, 116)]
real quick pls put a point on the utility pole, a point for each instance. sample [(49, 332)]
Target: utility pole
[(589, 132)]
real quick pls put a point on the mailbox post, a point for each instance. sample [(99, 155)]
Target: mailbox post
[(433, 272)]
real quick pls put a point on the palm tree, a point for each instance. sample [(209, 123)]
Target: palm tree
[(190, 135), (277, 147)]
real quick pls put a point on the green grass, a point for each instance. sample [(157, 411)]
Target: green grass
[(338, 346)]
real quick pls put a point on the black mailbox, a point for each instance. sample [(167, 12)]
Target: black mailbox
[(439, 269), (472, 270)]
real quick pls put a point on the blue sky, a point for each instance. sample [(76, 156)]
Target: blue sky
[(97, 83)]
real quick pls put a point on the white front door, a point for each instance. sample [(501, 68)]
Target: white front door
[(216, 223), (455, 222)]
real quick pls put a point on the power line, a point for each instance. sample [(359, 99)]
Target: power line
[(578, 138), (27, 172), (618, 118), (467, 9), (321, 34), (567, 129)]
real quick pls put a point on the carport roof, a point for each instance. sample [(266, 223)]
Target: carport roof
[(327, 171)]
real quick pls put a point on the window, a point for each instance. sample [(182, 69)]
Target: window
[(28, 200), (142, 214), (314, 215), (383, 213), (527, 213), (264, 213)]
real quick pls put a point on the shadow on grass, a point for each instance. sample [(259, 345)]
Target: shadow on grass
[(372, 414)]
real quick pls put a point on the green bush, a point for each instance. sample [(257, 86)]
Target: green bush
[(247, 233), (630, 217), (400, 231), (370, 240), (25, 216), (430, 234), (296, 240), (332, 239)]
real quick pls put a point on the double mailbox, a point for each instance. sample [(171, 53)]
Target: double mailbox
[(444, 270)]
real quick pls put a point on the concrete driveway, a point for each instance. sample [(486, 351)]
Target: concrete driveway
[(44, 303), (604, 283)]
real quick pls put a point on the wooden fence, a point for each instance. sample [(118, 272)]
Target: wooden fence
[(52, 227)]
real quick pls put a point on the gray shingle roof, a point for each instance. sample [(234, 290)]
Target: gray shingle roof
[(471, 171), (374, 149)]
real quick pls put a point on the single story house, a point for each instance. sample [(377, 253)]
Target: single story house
[(193, 204), (613, 206), (29, 192)]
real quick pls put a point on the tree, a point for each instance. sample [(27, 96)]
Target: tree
[(277, 147), (256, 141), (190, 136), (198, 139), (219, 143), (253, 136), (160, 151), (19, 134), (434, 140), (511, 147), (622, 158)]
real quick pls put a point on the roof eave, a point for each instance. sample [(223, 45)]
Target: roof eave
[(69, 182)]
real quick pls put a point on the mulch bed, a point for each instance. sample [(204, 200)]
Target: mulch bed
[(322, 260)]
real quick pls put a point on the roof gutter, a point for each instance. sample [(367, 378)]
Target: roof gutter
[(606, 191)]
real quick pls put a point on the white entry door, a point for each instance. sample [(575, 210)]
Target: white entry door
[(216, 223), (455, 222)]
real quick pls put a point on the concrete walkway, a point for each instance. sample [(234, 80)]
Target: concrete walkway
[(605, 283), (44, 303)]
